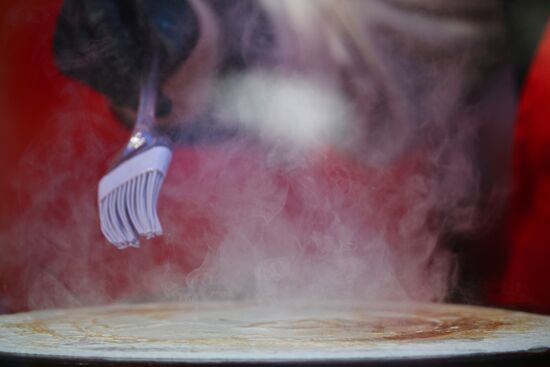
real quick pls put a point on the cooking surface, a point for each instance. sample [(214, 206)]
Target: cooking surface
[(284, 332)]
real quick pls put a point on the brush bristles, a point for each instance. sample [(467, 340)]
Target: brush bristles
[(130, 210)]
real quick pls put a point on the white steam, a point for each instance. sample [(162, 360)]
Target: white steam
[(381, 121), (282, 108)]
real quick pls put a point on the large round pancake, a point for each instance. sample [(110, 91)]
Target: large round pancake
[(299, 332)]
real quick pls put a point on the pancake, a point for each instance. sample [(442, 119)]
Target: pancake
[(246, 332)]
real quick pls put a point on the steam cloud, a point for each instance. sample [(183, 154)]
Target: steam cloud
[(357, 156)]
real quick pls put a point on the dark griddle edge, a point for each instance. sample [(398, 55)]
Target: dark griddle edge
[(533, 358)]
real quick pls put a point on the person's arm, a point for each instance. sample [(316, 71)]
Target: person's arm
[(107, 43)]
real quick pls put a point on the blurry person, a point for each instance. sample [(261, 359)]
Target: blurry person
[(379, 81), (324, 149)]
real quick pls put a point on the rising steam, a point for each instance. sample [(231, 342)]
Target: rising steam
[(356, 157)]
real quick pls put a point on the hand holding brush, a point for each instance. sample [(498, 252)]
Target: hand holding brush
[(125, 50)]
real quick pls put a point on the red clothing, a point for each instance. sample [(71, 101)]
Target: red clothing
[(526, 279)]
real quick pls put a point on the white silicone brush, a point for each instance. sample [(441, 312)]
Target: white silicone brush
[(128, 193)]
